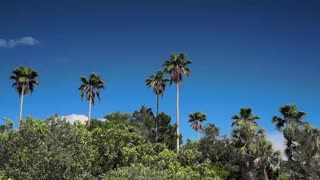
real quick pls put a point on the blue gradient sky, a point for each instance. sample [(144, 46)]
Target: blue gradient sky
[(259, 54)]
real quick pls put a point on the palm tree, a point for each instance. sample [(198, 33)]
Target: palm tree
[(24, 81), (245, 135), (196, 119), (176, 66), (91, 87), (289, 125), (158, 82)]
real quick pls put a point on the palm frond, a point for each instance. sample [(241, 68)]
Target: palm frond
[(235, 117), (13, 77), (173, 57), (299, 115), (99, 96), (185, 63), (93, 98), (84, 80), (14, 84), (82, 94), (186, 71), (181, 56)]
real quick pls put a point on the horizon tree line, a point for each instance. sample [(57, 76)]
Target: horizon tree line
[(176, 66), (247, 145)]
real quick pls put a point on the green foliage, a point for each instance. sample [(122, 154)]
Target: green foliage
[(51, 149), (283, 176), (119, 117), (139, 171), (217, 150), (115, 145), (255, 154), (123, 147), (55, 149), (167, 133), (145, 121), (7, 127), (168, 165)]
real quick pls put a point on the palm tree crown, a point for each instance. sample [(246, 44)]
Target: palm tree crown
[(175, 66), (291, 116), (91, 87), (196, 119), (158, 82), (245, 115), (24, 80)]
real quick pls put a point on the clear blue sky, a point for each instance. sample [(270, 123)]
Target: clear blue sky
[(260, 54)]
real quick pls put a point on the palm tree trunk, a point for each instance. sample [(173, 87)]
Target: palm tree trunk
[(157, 117), (265, 174), (198, 131), (177, 112), (251, 172), (21, 105), (157, 104), (89, 115)]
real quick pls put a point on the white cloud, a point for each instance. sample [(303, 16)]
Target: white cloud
[(74, 117), (278, 142), (82, 118), (24, 41)]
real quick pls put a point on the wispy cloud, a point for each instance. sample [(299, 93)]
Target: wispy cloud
[(24, 41), (3, 43)]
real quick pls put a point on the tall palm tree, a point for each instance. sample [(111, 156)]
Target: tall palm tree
[(158, 82), (196, 119), (24, 81), (289, 125), (176, 66), (91, 87)]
